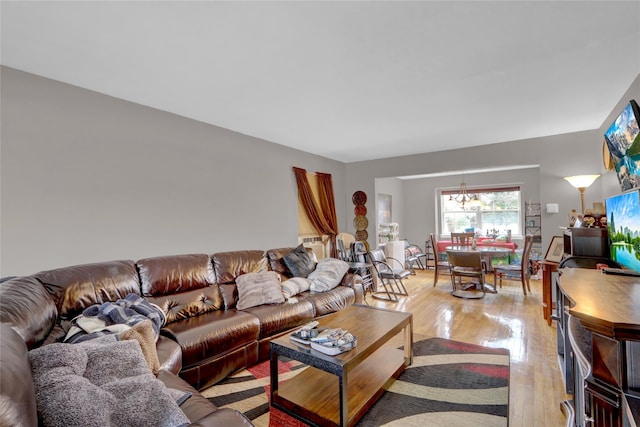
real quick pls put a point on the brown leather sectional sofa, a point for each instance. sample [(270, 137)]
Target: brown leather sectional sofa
[(204, 340)]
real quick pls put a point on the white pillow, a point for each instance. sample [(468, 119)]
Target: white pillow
[(258, 288), (295, 285), (328, 274)]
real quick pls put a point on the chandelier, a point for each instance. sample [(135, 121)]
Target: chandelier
[(464, 199)]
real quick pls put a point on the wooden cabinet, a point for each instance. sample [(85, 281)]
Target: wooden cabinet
[(586, 242), (549, 271), (599, 346)]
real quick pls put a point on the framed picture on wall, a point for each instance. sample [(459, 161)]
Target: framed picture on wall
[(384, 208), (555, 250)]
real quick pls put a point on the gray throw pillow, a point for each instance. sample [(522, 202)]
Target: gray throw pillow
[(295, 286), (258, 288), (299, 262), (328, 274)]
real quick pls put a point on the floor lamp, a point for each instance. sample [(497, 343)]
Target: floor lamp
[(581, 182)]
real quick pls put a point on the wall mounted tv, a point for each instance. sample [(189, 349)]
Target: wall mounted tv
[(623, 141), (623, 223)]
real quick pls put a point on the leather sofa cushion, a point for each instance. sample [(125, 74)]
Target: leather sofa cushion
[(184, 305), (331, 301), (229, 265), (217, 332), (17, 394), (175, 274), (182, 285), (276, 261), (279, 318), (29, 308), (78, 287)]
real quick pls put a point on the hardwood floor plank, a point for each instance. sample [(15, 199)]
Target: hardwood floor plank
[(508, 320)]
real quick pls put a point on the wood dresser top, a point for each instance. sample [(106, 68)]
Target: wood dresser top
[(604, 303)]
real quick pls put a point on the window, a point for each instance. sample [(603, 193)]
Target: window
[(499, 212)]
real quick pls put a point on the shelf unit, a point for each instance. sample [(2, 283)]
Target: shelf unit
[(388, 232), (533, 225)]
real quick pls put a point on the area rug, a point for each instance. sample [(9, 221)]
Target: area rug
[(450, 383)]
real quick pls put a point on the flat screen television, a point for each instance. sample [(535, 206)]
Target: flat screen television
[(623, 224), (623, 141)]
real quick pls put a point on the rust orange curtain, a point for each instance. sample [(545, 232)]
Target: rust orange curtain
[(323, 217)]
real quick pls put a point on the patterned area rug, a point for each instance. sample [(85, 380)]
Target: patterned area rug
[(450, 383)]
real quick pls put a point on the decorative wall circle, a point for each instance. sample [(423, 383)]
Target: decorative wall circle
[(360, 222), (362, 235), (359, 198), (360, 210)]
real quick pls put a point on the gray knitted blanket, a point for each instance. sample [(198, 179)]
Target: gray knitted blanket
[(101, 382)]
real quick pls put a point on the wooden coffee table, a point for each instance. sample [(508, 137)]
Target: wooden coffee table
[(338, 390)]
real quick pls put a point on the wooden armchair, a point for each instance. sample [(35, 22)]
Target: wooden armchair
[(466, 264), (440, 265), (517, 272), (463, 239)]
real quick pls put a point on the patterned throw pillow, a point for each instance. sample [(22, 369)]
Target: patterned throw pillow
[(258, 288), (299, 262)]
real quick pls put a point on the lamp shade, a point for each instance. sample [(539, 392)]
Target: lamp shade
[(581, 181)]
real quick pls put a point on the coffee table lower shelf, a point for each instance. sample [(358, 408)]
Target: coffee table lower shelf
[(312, 395)]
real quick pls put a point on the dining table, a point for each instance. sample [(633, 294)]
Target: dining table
[(482, 241), (487, 253)]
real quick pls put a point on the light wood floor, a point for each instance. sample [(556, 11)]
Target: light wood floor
[(508, 320)]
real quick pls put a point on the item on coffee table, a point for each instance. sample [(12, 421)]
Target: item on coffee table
[(306, 332), (341, 342), (333, 341)]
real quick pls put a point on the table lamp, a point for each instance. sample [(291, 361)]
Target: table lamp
[(581, 182)]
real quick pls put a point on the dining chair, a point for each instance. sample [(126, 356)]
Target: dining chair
[(347, 239), (412, 255), (466, 264), (516, 272), (463, 239), (343, 253), (389, 277), (440, 264), (361, 266)]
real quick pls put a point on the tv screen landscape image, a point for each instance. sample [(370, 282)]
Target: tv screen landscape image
[(623, 142), (623, 223)]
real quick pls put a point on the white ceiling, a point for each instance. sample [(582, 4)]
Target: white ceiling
[(347, 80)]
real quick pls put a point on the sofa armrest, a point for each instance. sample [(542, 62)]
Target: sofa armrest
[(354, 281), (223, 417), (169, 354), (17, 394), (351, 279)]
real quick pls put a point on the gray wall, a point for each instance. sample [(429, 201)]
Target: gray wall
[(86, 177), (557, 156)]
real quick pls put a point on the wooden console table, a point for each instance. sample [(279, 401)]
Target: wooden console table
[(599, 346), (548, 268)]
